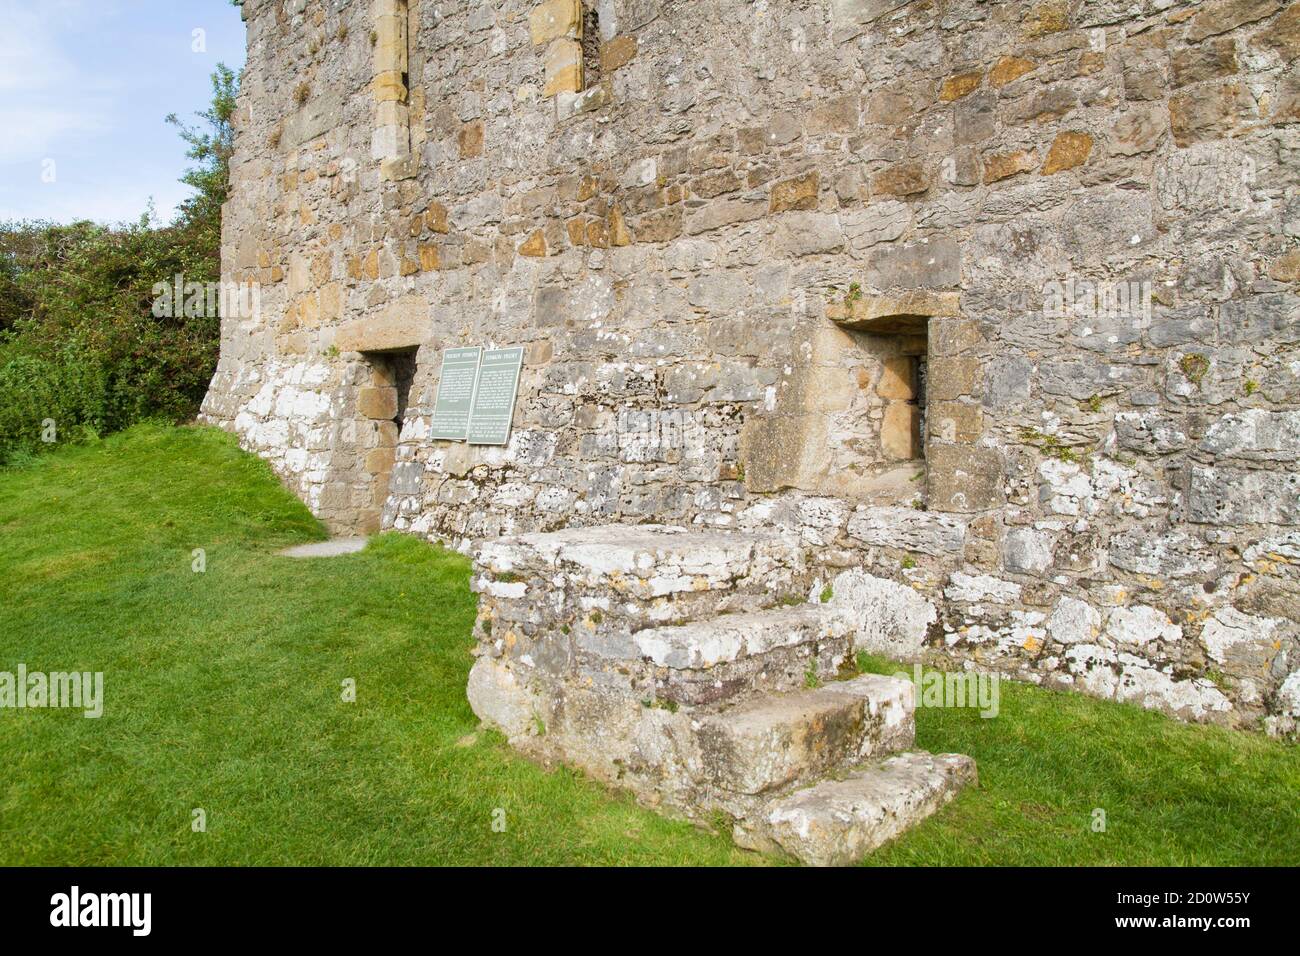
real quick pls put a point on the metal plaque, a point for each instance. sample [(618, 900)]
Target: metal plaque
[(455, 393), (493, 408)]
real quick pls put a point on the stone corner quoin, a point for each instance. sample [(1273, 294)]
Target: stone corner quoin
[(997, 305)]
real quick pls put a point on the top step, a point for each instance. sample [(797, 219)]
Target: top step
[(641, 563)]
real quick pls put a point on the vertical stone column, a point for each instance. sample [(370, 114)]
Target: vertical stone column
[(391, 141)]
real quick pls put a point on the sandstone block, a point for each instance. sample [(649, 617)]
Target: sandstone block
[(999, 166), (377, 403), (897, 378), (1007, 69), (797, 193), (955, 422), (952, 377), (1216, 18), (1206, 114), (379, 461), (535, 245), (900, 432), (555, 19), (470, 140), (563, 67), (617, 53), (963, 478), (1068, 151), (901, 179), (959, 85)]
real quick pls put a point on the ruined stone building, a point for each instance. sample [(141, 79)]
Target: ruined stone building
[(975, 321)]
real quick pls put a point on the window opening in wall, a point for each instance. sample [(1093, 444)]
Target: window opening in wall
[(921, 375), (590, 46), (396, 368)]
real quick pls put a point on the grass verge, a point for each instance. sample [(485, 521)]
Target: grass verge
[(223, 692)]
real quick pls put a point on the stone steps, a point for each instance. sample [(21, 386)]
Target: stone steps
[(622, 578), (772, 741), (671, 662), (839, 821), (738, 655)]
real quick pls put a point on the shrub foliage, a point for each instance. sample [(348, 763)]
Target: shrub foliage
[(80, 345)]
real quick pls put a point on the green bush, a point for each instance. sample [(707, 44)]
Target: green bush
[(80, 345)]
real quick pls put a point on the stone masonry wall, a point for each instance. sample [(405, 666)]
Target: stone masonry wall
[(754, 247)]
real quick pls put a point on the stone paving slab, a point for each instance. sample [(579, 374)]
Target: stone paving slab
[(333, 548)]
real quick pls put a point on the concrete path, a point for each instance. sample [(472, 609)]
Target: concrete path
[(326, 549)]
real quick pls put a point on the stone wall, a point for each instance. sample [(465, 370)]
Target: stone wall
[(751, 246)]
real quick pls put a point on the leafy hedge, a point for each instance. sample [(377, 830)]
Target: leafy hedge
[(80, 345)]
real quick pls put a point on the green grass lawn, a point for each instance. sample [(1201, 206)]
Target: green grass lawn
[(223, 691)]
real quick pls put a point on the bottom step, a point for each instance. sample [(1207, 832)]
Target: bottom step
[(838, 822)]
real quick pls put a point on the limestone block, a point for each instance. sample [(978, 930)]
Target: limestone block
[(1232, 496), (838, 822), (1282, 36), (933, 264), (555, 19), (766, 743), (909, 529), (1210, 113), (723, 212), (499, 700), (1026, 551), (891, 619), (809, 233)]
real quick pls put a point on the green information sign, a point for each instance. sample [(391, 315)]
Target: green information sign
[(494, 399), (455, 393)]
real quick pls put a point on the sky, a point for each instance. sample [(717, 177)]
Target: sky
[(85, 86)]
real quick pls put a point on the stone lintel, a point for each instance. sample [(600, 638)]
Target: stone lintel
[(403, 325), (894, 312)]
